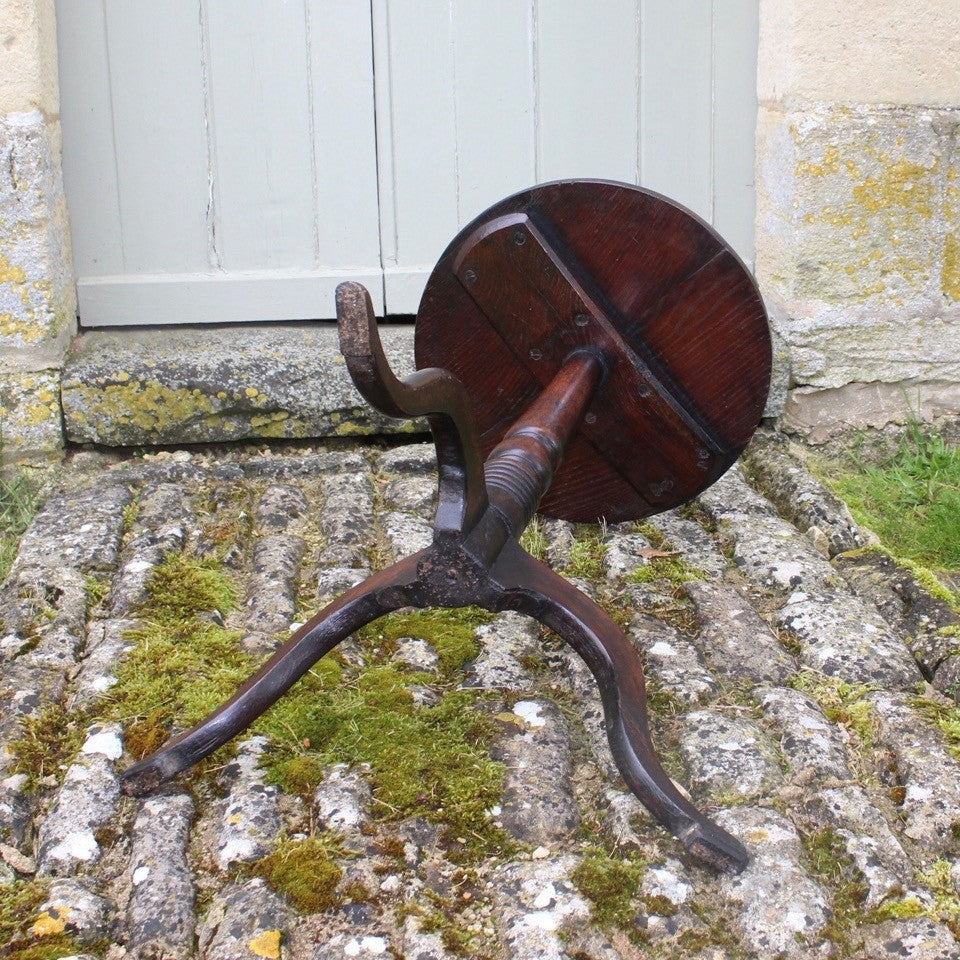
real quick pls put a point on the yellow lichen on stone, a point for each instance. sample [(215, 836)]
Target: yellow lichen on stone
[(348, 429), (147, 404), (26, 329), (266, 945), (251, 391), (10, 273), (829, 164), (37, 413), (905, 186), (48, 924), (950, 271)]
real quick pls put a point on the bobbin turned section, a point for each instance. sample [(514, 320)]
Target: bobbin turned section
[(520, 468)]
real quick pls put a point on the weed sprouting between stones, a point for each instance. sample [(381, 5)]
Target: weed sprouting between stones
[(19, 502), (675, 570), (843, 703), (534, 540)]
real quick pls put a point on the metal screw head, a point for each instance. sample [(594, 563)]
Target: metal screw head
[(519, 237), (536, 354), (590, 418), (470, 276), (581, 319)]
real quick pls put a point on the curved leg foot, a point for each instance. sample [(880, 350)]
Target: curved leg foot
[(382, 593), (534, 589)]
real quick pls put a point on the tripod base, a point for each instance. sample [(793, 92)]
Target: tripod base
[(591, 323)]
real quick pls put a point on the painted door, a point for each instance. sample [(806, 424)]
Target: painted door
[(233, 160)]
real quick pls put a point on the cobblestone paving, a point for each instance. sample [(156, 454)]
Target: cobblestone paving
[(800, 689)]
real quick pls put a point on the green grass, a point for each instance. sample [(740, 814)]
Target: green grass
[(911, 500), (19, 502)]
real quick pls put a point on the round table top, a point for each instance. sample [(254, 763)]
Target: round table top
[(669, 303)]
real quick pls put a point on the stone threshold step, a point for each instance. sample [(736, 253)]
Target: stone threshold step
[(137, 387)]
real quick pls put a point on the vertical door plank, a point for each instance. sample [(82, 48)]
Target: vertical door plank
[(415, 92), (260, 120), (493, 72), (587, 68), (676, 112), (344, 134), (155, 53), (89, 169), (735, 38)]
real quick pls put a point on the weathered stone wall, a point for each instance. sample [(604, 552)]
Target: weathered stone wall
[(858, 252), (37, 298)]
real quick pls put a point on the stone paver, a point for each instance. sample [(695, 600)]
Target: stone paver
[(782, 912), (538, 805), (734, 639), (250, 819), (160, 916), (734, 658), (728, 755), (247, 920), (88, 801)]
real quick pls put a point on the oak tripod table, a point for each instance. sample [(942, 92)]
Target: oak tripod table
[(586, 349)]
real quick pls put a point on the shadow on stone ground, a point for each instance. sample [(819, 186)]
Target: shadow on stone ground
[(796, 685)]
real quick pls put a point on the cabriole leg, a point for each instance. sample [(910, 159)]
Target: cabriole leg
[(539, 592), (384, 592)]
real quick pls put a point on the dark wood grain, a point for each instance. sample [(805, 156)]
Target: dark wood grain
[(668, 423)]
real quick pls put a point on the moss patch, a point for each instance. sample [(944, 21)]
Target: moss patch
[(452, 633), (946, 718), (675, 570), (304, 872), (610, 884), (429, 761), (20, 904), (184, 663), (942, 906), (46, 744), (425, 761), (829, 862)]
